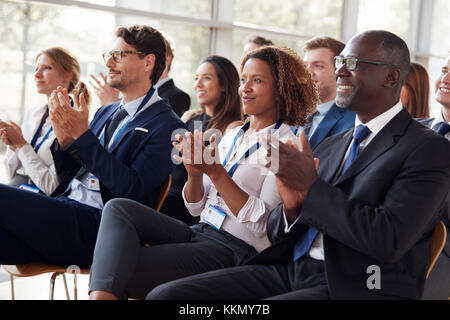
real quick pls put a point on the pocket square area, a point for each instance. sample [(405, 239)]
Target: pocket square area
[(141, 129)]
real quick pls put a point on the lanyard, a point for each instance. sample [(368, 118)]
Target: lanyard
[(143, 103), (247, 153), (38, 132)]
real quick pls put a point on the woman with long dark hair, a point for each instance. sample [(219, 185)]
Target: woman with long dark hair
[(216, 87)]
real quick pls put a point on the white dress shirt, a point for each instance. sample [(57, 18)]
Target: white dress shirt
[(80, 187), (39, 167), (375, 126), (436, 123), (253, 178)]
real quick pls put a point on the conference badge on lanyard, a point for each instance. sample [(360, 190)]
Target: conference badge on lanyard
[(93, 184), (215, 216)]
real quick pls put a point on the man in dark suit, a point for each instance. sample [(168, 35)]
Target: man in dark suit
[(178, 99), (360, 227), (438, 283), (329, 119), (125, 152)]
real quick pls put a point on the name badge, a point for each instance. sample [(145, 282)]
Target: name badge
[(93, 184), (215, 216), (29, 187)]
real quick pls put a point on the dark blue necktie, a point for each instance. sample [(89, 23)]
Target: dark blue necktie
[(304, 244), (119, 115), (443, 129)]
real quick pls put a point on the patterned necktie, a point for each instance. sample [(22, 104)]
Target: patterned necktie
[(119, 115), (444, 128), (304, 244)]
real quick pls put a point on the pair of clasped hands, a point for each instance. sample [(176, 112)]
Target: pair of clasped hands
[(68, 123), (11, 135), (295, 171)]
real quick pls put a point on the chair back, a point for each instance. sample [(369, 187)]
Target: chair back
[(437, 244), (163, 191)]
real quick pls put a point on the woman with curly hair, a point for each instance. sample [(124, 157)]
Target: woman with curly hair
[(228, 186)]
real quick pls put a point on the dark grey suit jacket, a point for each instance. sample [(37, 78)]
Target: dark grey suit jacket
[(178, 99), (437, 285), (380, 212)]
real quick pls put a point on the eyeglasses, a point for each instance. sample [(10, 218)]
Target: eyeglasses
[(117, 55), (351, 63)]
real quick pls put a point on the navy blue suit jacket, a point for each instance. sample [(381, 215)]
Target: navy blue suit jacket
[(137, 162), (335, 121)]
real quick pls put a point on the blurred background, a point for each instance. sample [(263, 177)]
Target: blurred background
[(200, 28)]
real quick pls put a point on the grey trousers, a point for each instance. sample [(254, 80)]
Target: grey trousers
[(124, 266)]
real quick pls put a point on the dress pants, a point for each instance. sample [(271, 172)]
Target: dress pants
[(124, 266), (302, 280), (37, 228), (174, 207)]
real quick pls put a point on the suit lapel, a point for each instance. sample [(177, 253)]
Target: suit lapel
[(97, 126), (382, 142), (335, 154), (141, 120), (329, 121)]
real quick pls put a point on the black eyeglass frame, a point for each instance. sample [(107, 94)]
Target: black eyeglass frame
[(357, 60), (117, 55)]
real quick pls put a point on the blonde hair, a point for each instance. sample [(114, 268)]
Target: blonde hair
[(66, 63)]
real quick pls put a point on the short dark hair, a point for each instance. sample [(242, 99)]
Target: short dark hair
[(149, 41), (393, 49), (259, 40), (334, 45)]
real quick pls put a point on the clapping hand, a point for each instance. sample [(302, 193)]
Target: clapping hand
[(104, 91), (196, 157), (295, 172), (68, 123), (11, 135)]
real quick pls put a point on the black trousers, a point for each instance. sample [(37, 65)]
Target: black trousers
[(124, 266), (37, 228), (304, 279)]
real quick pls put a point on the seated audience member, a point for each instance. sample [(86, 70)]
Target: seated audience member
[(415, 92), (255, 42), (28, 161), (360, 227), (233, 195), (178, 99), (216, 85), (123, 153), (438, 283), (329, 119)]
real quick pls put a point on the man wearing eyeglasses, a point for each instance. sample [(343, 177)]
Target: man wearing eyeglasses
[(359, 226), (125, 152)]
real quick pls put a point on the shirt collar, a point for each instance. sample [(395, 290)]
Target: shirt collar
[(132, 106), (438, 119), (376, 124), (325, 107), (161, 82)]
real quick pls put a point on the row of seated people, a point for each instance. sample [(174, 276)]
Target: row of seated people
[(270, 209)]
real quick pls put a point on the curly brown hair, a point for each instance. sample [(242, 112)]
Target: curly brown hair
[(296, 90)]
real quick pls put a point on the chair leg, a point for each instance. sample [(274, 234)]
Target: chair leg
[(65, 286), (52, 285), (75, 289), (11, 277)]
